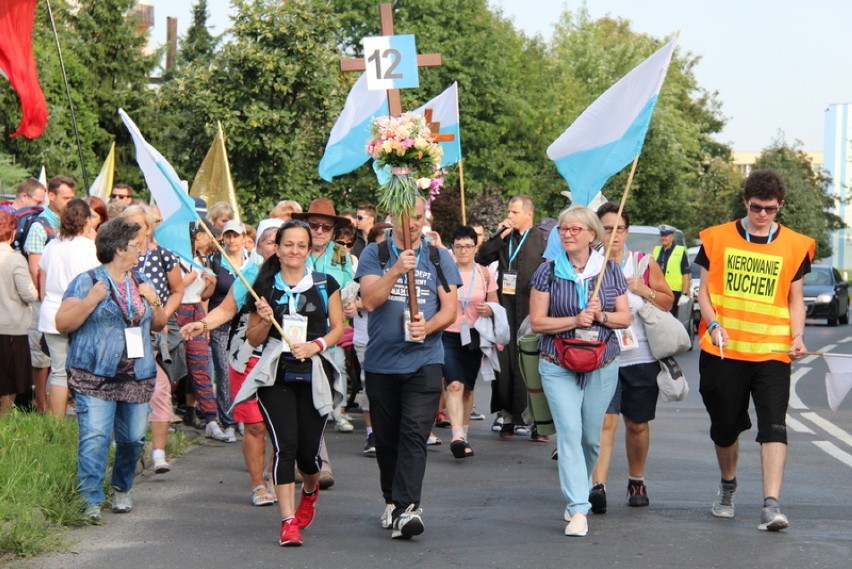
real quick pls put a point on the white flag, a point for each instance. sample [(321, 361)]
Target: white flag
[(838, 381)]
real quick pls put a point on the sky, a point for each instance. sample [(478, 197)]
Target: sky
[(775, 64)]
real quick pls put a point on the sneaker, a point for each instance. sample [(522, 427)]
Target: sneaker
[(441, 420), (408, 523), (522, 430), (214, 431), (538, 438), (637, 494), (387, 517), (343, 425), (241, 429), (326, 480), (370, 445), (597, 497), (555, 454), (475, 416), (122, 502), (230, 435), (306, 509), (507, 431), (497, 424), (93, 513), (161, 466), (771, 519), (289, 535), (723, 507)]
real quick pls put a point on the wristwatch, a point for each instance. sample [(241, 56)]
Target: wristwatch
[(653, 295)]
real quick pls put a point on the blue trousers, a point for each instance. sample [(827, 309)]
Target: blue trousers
[(578, 417), (98, 421)]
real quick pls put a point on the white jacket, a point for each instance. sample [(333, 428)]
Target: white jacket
[(492, 331)]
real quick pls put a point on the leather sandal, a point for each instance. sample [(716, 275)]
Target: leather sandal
[(260, 496)]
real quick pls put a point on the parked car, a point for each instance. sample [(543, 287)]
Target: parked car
[(827, 295)]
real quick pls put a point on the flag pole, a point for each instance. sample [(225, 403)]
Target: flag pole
[(70, 102), (461, 187), (612, 235)]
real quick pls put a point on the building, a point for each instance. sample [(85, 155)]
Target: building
[(744, 161), (838, 154)]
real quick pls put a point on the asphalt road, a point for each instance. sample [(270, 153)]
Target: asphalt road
[(503, 508)]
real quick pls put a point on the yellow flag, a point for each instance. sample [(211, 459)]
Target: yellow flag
[(102, 186), (213, 181)]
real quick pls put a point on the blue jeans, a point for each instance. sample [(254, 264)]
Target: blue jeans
[(219, 353), (98, 420), (578, 416)]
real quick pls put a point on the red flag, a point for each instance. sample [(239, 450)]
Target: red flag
[(17, 63)]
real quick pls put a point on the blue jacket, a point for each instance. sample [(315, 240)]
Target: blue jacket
[(98, 345)]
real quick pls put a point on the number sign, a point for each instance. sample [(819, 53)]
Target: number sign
[(391, 62)]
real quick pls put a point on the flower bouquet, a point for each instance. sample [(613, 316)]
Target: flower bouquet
[(406, 145)]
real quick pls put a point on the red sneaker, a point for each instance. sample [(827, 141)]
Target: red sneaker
[(306, 509), (290, 535)]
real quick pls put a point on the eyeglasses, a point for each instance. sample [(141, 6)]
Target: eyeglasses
[(769, 209), (574, 231), (457, 247), (345, 243), (136, 246), (620, 229), (319, 227), (119, 196)]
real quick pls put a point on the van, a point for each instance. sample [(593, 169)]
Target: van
[(645, 237)]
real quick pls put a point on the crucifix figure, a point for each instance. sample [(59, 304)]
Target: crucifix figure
[(395, 109)]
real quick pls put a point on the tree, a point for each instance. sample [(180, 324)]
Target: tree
[(198, 44), (808, 205), (10, 175)]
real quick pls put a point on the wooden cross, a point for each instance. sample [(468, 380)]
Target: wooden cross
[(423, 59), (435, 127)]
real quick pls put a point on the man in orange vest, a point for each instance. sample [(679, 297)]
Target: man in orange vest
[(753, 321)]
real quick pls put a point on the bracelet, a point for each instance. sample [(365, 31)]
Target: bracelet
[(321, 343), (605, 318), (156, 303), (712, 326), (204, 326)]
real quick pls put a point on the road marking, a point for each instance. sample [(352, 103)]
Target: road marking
[(798, 426), (807, 359), (827, 348), (829, 427), (844, 340), (795, 402), (831, 449)]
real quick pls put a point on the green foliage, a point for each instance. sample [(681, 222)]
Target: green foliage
[(199, 44), (808, 203), (38, 485), (10, 174)]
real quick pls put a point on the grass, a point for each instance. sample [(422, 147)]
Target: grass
[(38, 481)]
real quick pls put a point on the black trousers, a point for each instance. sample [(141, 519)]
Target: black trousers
[(403, 407), (295, 428)]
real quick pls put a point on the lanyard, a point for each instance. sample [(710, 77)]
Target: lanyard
[(513, 253), (466, 301), (748, 236), (315, 260), (128, 298)]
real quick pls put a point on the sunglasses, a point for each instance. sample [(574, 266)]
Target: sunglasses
[(327, 227), (347, 244), (769, 209)]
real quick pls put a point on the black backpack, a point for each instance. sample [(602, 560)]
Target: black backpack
[(434, 256), (24, 220)]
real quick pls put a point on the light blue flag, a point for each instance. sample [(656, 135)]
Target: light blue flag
[(347, 143), (445, 111), (610, 133), (176, 207)]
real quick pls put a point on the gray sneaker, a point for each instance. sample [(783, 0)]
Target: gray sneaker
[(387, 517), (93, 513), (408, 524), (121, 502), (771, 519), (723, 507)]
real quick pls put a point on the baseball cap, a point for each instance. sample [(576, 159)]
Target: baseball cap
[(234, 226), (666, 229)]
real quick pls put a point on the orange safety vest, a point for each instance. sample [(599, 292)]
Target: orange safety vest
[(749, 286)]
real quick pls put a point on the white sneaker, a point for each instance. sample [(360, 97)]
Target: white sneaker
[(408, 524), (214, 431), (387, 517), (122, 502), (230, 435), (161, 466), (343, 425)]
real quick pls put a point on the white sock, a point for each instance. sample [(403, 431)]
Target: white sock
[(158, 453)]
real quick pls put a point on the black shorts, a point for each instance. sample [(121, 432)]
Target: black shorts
[(639, 391), (725, 388), (460, 362)]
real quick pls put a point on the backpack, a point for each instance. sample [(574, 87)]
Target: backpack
[(434, 256), (24, 220)]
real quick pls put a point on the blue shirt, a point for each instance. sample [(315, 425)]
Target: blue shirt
[(387, 350), (98, 346)]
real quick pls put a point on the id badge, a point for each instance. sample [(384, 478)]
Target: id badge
[(626, 338), (510, 282), (134, 343), (406, 320), (296, 329), (465, 333), (587, 334)]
